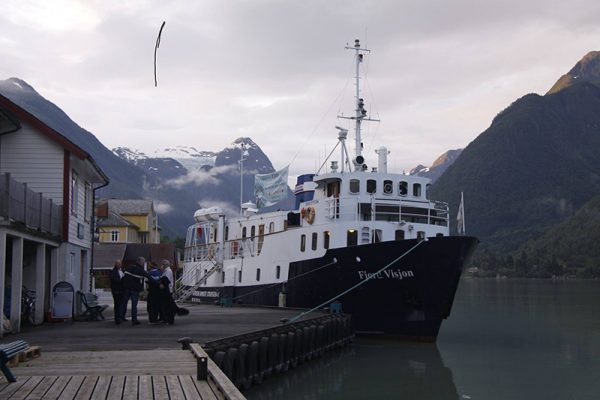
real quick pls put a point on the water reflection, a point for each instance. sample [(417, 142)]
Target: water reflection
[(368, 369), (505, 339)]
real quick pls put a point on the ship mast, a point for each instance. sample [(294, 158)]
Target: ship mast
[(360, 111)]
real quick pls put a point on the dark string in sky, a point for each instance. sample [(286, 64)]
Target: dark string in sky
[(156, 48)]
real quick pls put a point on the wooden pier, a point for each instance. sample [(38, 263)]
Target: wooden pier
[(141, 374)]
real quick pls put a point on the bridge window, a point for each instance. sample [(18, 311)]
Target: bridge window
[(354, 186), (302, 242), (417, 190), (278, 272), (313, 244), (403, 188), (351, 237), (326, 237), (388, 187), (257, 274), (371, 186), (399, 234), (427, 188)]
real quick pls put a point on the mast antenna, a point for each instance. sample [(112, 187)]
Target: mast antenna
[(360, 111)]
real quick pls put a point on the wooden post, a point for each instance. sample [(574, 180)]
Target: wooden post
[(202, 369)]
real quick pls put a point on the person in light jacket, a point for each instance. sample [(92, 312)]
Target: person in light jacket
[(168, 272)]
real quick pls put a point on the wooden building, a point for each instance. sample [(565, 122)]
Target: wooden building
[(47, 186)]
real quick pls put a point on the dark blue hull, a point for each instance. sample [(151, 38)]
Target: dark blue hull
[(409, 299)]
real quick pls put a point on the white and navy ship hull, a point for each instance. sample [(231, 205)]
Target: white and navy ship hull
[(409, 299)]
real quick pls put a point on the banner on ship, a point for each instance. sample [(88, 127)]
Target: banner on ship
[(271, 188)]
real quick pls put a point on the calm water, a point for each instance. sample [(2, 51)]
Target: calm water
[(505, 339)]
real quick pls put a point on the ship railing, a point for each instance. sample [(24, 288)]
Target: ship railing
[(202, 252), (240, 248), (391, 210)]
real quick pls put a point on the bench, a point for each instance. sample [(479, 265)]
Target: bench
[(92, 309), (8, 351)]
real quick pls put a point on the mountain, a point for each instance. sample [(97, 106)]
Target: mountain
[(570, 247), (201, 178), (439, 166), (535, 166), (586, 70)]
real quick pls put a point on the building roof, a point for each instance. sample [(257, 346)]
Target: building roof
[(131, 207), (115, 219), (105, 254)]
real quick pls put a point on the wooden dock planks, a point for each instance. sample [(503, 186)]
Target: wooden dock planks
[(114, 375)]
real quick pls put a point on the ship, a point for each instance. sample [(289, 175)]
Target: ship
[(367, 242)]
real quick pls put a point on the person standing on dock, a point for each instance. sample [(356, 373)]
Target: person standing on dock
[(133, 284), (152, 302), (116, 288)]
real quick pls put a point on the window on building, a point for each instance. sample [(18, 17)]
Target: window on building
[(143, 237), (302, 242), (114, 236), (252, 231), (240, 275), (399, 234), (227, 233), (315, 237), (354, 186), (403, 188), (272, 227), (223, 277), (244, 233), (420, 235), (74, 193), (417, 190), (352, 237), (278, 272), (371, 186), (388, 187), (257, 274), (326, 237), (87, 208), (439, 235)]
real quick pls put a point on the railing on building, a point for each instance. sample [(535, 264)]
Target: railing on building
[(22, 205)]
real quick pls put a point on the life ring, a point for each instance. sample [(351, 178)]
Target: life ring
[(309, 214)]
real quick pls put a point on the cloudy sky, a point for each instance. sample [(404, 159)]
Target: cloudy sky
[(277, 71)]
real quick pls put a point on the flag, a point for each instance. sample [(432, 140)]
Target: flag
[(271, 188), (460, 217)]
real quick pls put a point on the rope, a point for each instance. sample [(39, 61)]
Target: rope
[(302, 314), (156, 48), (279, 283)]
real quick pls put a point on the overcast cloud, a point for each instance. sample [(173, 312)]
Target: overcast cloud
[(275, 70)]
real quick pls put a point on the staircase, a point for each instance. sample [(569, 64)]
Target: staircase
[(196, 276)]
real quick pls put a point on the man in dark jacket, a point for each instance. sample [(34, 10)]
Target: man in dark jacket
[(133, 284), (116, 288)]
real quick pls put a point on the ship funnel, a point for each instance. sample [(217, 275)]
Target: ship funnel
[(305, 188), (382, 152)]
